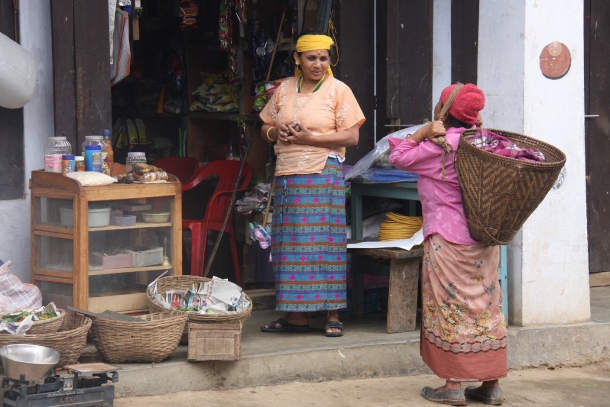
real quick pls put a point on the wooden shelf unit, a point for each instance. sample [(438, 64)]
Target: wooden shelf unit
[(60, 254)]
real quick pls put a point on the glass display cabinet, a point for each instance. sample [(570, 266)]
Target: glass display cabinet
[(98, 247)]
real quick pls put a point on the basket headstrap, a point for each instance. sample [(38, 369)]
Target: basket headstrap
[(450, 99)]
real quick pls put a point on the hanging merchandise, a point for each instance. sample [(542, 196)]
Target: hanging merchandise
[(121, 49), (224, 25), (188, 13), (237, 65), (241, 130), (262, 48)]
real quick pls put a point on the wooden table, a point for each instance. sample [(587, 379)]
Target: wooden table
[(404, 281)]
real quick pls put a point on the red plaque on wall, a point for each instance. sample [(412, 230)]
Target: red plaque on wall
[(555, 60)]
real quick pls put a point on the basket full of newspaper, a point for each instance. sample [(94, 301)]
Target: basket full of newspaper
[(214, 301)]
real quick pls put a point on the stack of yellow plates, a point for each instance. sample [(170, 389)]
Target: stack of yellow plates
[(399, 226)]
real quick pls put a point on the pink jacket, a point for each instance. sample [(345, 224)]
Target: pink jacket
[(441, 201)]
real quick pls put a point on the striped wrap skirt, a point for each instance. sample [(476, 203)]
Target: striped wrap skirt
[(309, 240)]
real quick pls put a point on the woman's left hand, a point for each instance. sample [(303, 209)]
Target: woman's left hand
[(298, 134)]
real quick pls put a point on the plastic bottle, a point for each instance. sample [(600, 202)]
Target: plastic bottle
[(134, 157), (109, 159), (53, 151), (93, 158), (231, 154), (18, 74)]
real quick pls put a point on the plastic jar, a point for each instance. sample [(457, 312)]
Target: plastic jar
[(79, 163), (67, 163), (134, 157), (93, 141), (93, 158), (53, 150)]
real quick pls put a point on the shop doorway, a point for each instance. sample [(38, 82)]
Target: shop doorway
[(597, 131)]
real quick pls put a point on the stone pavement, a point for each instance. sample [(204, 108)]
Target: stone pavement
[(545, 387)]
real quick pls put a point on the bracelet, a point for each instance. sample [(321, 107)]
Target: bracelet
[(269, 138), (411, 141)]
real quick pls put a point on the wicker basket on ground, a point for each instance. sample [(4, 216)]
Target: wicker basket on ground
[(500, 193), (69, 340), (165, 284), (45, 326), (153, 340)]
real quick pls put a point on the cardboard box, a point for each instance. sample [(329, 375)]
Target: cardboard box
[(214, 342)]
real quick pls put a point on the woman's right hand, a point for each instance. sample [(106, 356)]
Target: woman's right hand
[(435, 129)]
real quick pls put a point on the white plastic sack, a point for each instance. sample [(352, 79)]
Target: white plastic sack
[(381, 148), (18, 74), (15, 295)]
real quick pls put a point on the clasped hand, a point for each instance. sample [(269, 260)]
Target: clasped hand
[(293, 133), (433, 130)]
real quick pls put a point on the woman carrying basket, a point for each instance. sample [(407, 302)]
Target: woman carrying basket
[(463, 334), (312, 117)]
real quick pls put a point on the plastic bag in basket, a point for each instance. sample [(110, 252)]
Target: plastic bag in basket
[(14, 294)]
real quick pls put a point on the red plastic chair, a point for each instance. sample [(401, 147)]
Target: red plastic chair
[(182, 167), (216, 211)]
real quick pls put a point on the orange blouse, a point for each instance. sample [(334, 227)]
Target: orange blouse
[(331, 109)]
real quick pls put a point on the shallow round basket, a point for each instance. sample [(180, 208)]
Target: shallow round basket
[(45, 326), (500, 193), (165, 284), (152, 340), (69, 340), (48, 326)]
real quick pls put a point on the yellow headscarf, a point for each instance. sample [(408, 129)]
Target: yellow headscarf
[(312, 42)]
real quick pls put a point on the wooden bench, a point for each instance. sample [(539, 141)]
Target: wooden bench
[(404, 281)]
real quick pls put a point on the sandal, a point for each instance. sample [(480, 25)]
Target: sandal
[(450, 397), (488, 395), (285, 326), (333, 324)]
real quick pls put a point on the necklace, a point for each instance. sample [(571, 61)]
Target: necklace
[(300, 84)]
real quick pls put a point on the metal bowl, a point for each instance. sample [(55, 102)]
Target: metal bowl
[(33, 361)]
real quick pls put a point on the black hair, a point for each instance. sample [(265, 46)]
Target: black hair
[(453, 122)]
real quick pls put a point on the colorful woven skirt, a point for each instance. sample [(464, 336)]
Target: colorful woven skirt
[(309, 240)]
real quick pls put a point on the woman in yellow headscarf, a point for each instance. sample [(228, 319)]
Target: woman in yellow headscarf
[(311, 117)]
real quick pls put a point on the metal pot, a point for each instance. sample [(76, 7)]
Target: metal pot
[(33, 361)]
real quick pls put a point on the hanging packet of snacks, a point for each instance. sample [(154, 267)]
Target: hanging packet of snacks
[(188, 13), (224, 26), (237, 66)]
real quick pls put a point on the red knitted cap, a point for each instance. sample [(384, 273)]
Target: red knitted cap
[(467, 104)]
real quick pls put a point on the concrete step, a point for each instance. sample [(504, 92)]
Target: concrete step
[(262, 299)]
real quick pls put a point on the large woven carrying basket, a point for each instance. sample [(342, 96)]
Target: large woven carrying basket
[(165, 284), (153, 340), (69, 340), (500, 193)]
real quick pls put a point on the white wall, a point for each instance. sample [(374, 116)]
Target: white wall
[(441, 49), (35, 36), (548, 262)]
